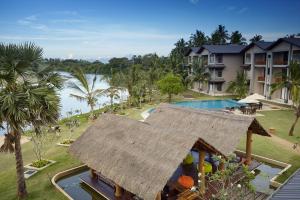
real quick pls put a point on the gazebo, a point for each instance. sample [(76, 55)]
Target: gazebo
[(138, 158)]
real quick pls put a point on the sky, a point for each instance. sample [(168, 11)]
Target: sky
[(101, 29)]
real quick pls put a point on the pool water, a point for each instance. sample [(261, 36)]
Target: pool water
[(209, 104), (78, 190), (262, 180)]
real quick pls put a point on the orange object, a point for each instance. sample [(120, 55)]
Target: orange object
[(186, 181)]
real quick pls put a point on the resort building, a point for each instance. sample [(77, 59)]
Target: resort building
[(267, 63), (130, 159), (222, 62), (264, 63)]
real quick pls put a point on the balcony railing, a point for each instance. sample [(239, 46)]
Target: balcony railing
[(260, 62), (280, 62), (261, 78), (278, 79)]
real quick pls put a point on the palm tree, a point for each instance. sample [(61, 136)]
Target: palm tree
[(256, 38), (291, 81), (199, 74), (237, 38), (239, 86), (220, 35), (85, 92), (26, 98), (198, 39)]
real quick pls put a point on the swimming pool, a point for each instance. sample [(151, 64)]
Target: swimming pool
[(209, 104)]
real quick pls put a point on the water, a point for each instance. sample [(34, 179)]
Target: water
[(209, 104), (69, 103), (76, 189), (262, 179)]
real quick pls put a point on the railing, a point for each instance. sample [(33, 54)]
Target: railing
[(278, 79), (261, 78), (260, 62), (280, 62)]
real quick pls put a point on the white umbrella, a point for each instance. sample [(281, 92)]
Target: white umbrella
[(248, 101), (255, 96)]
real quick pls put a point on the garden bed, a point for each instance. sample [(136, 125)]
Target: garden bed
[(40, 165), (66, 143)]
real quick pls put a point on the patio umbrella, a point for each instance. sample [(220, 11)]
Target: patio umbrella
[(248, 101), (255, 96)]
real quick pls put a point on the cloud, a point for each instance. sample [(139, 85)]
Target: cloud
[(194, 1), (67, 21), (230, 8), (242, 10), (31, 18), (267, 36)]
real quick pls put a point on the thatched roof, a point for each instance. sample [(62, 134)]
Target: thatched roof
[(141, 157), (221, 130), (138, 157)]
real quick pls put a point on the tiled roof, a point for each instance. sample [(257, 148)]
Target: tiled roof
[(289, 190), (226, 48)]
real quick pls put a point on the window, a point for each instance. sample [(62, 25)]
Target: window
[(219, 58), (296, 55), (212, 58), (219, 87), (219, 73), (280, 58), (260, 59), (248, 58), (205, 60)]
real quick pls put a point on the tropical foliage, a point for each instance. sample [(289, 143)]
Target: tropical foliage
[(291, 81), (85, 91), (199, 74), (239, 86), (28, 97), (170, 85)]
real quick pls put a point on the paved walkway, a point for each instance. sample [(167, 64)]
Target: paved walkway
[(285, 144)]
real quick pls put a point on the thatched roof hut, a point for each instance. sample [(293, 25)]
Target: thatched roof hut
[(141, 157), (219, 129), (138, 157)]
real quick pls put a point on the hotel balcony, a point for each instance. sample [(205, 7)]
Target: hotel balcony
[(261, 79), (217, 80)]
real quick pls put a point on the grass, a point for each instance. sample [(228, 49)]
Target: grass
[(280, 120), (40, 187)]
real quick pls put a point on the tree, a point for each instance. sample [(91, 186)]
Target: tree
[(256, 38), (237, 38), (114, 88), (199, 74), (25, 92), (239, 86), (178, 52), (85, 92), (198, 39), (292, 83), (170, 85), (220, 35)]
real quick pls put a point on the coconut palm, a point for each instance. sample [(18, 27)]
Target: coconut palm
[(256, 38), (291, 81), (199, 74), (85, 91), (26, 98), (239, 86), (237, 38)]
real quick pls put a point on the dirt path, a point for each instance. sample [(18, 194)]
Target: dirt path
[(285, 144)]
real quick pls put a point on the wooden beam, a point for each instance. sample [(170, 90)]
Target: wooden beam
[(201, 170), (118, 192), (158, 196), (93, 173), (249, 147)]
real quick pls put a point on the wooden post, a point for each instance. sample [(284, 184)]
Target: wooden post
[(221, 165), (118, 192), (158, 196), (202, 171), (249, 147), (93, 173)]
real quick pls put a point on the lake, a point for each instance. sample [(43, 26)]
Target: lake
[(69, 103)]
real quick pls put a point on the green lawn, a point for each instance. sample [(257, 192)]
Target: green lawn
[(281, 121), (39, 186)]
